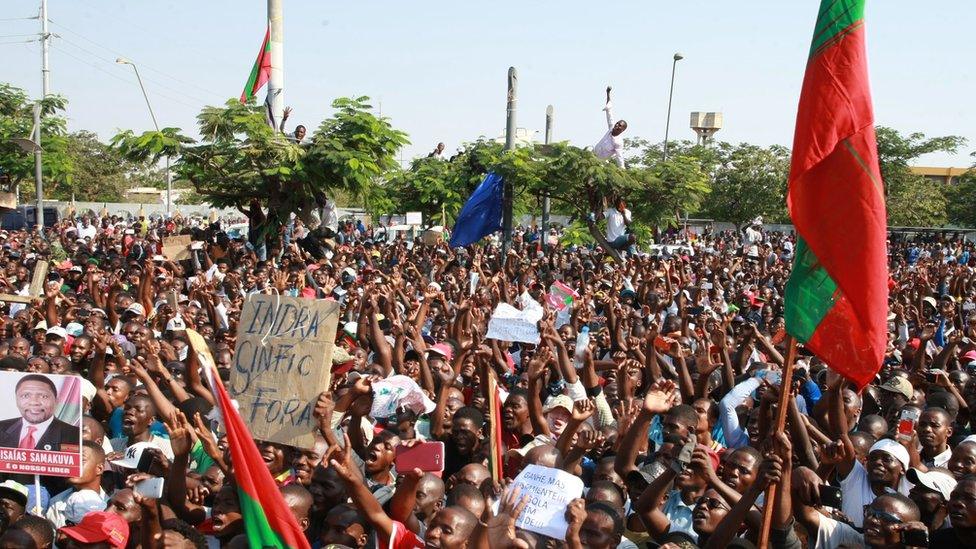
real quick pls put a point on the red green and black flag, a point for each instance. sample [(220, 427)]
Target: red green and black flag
[(837, 296), (261, 71)]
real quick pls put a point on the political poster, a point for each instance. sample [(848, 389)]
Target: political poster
[(282, 361), (40, 424)]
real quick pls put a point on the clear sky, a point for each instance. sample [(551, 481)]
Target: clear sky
[(438, 68)]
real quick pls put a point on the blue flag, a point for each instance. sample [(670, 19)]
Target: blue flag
[(481, 214)]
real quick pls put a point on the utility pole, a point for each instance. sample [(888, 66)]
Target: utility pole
[(545, 199), (509, 145), (169, 175), (276, 83), (667, 125), (45, 91)]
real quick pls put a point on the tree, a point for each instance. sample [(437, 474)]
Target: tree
[(961, 200), (16, 121), (911, 199), (99, 173), (241, 158), (749, 181)]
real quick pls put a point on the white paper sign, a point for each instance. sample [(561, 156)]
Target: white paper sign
[(510, 324), (415, 218), (549, 491)]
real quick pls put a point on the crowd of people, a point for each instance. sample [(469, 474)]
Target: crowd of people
[(666, 412)]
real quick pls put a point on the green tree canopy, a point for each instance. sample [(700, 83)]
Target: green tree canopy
[(16, 121), (240, 158)]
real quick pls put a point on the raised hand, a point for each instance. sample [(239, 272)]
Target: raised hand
[(583, 410), (661, 397)]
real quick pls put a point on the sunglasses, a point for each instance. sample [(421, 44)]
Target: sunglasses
[(870, 512), (710, 503)]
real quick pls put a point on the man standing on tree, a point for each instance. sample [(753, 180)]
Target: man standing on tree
[(612, 144)]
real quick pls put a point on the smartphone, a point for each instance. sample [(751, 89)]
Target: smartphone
[(681, 461), (932, 375), (150, 488), (830, 496), (697, 310), (907, 421), (707, 286), (426, 456), (915, 538), (149, 463)]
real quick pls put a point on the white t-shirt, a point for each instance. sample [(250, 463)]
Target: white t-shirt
[(616, 223), (610, 145), (832, 534), (857, 493)]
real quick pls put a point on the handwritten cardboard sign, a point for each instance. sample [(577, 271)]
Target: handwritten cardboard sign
[(549, 491), (175, 247), (510, 324), (282, 362)]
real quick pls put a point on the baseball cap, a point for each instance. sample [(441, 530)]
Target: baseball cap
[(175, 324), (136, 308), (15, 491), (939, 481), (558, 401), (100, 526), (442, 349), (132, 455), (891, 447), (899, 385), (58, 331)]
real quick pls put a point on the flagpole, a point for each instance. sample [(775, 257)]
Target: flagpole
[(509, 145), (784, 399), (276, 82)]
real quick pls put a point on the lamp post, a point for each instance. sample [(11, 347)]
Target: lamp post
[(667, 125), (169, 181)]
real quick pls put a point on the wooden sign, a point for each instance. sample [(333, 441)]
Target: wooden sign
[(282, 361), (36, 289)]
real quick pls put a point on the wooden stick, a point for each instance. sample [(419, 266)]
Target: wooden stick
[(784, 398)]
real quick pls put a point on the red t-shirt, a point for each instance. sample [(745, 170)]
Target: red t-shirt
[(402, 538)]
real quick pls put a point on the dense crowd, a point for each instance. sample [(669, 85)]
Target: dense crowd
[(667, 414)]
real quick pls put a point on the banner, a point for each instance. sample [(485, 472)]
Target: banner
[(282, 361), (40, 429)]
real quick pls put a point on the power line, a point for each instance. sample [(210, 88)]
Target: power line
[(113, 63), (141, 65), (20, 41), (18, 19), (117, 77), (17, 35)]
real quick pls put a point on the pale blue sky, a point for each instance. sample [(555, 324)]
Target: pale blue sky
[(439, 67)]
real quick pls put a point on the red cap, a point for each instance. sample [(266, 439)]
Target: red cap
[(100, 526), (712, 456), (442, 349)]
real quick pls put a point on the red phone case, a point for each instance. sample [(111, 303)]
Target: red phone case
[(426, 456)]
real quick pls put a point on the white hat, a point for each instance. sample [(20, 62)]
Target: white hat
[(132, 455), (42, 325), (15, 489), (892, 447), (58, 331), (88, 389), (175, 324), (136, 308), (559, 401), (942, 483)]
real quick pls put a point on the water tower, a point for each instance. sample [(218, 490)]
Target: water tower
[(705, 125)]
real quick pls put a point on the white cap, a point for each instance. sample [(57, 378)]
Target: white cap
[(942, 483), (58, 331), (175, 324), (132, 455)]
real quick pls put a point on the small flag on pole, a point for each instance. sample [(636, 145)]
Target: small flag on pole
[(261, 71)]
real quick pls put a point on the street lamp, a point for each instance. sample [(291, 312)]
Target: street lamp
[(169, 181), (667, 125)]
